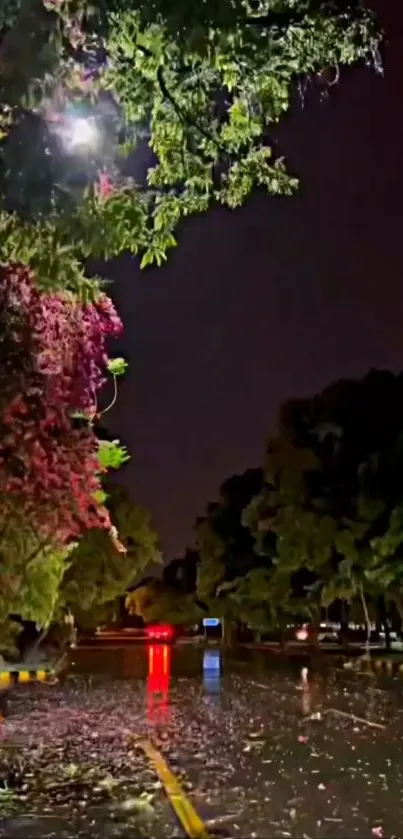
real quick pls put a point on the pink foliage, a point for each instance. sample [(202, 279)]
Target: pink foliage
[(52, 363), (105, 187)]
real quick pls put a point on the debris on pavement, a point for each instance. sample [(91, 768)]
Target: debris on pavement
[(70, 756)]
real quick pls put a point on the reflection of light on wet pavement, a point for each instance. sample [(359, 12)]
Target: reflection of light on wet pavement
[(310, 694), (212, 673), (158, 682), (306, 692)]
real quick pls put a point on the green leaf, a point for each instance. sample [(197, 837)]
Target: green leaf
[(117, 366), (111, 455)]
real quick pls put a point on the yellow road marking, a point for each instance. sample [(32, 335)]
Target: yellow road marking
[(189, 819)]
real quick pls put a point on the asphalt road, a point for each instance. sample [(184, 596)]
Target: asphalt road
[(262, 748)]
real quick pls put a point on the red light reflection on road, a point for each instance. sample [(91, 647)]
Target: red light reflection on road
[(159, 678), (310, 693)]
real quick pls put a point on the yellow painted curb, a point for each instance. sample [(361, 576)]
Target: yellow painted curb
[(189, 819), (24, 676), (9, 677)]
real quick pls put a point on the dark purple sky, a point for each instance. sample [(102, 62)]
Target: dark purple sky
[(271, 301)]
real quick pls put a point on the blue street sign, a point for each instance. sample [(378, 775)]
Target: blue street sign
[(211, 622)]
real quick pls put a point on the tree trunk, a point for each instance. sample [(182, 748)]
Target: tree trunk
[(28, 641), (344, 621), (399, 610), (229, 633), (395, 619), (366, 618), (282, 637), (313, 633), (384, 618)]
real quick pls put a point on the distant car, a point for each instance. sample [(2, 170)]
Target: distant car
[(162, 632)]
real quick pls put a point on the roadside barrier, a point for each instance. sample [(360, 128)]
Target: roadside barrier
[(392, 668), (13, 676), (379, 665)]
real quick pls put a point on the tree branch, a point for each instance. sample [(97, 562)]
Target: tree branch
[(182, 114), (114, 398), (286, 18)]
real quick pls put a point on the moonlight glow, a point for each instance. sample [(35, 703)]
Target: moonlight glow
[(82, 133)]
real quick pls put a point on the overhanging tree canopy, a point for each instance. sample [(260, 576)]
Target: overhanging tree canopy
[(53, 362), (202, 84)]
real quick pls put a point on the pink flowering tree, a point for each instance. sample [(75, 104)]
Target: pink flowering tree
[(53, 363)]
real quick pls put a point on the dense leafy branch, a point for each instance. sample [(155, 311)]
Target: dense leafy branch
[(204, 81)]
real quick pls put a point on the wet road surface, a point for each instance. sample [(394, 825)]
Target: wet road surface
[(263, 748)]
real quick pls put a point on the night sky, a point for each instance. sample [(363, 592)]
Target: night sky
[(268, 302)]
